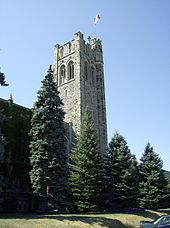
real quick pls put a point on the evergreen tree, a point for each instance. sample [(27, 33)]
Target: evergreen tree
[(2, 184), (122, 175), (2, 79), (86, 169), (1, 137), (2, 83), (167, 203), (2, 150), (153, 183), (48, 151)]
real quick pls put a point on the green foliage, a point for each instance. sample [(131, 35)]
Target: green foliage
[(121, 174), (167, 173), (86, 169), (1, 139), (168, 179), (47, 147), (153, 184), (2, 79), (1, 159), (15, 127)]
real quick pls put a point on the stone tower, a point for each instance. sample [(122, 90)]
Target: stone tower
[(78, 72)]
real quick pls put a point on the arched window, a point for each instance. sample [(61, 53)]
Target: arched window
[(86, 70), (62, 74), (70, 70)]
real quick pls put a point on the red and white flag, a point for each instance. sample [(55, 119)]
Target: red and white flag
[(96, 19)]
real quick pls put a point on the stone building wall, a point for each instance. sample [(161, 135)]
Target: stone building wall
[(85, 87)]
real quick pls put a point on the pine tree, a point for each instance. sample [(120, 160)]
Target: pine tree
[(122, 174), (2, 79), (48, 151), (168, 189), (1, 138), (86, 169), (153, 183), (2, 151)]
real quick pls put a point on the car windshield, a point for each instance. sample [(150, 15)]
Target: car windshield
[(162, 220), (157, 220)]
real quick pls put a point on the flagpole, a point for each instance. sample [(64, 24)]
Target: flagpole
[(95, 33)]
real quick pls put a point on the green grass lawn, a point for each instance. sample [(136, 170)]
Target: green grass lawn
[(122, 220)]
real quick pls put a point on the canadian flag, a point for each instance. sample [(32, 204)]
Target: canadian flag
[(96, 19)]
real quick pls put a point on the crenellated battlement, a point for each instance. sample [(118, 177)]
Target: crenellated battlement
[(90, 47)]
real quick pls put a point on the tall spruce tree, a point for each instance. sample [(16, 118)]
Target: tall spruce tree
[(49, 173), (153, 183), (86, 169), (122, 174)]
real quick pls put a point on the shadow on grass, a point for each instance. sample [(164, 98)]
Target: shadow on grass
[(90, 220), (102, 221), (148, 214)]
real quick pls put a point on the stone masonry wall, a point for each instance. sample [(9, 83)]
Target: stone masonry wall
[(87, 86)]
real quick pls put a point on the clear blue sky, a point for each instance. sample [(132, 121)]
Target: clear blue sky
[(136, 45)]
